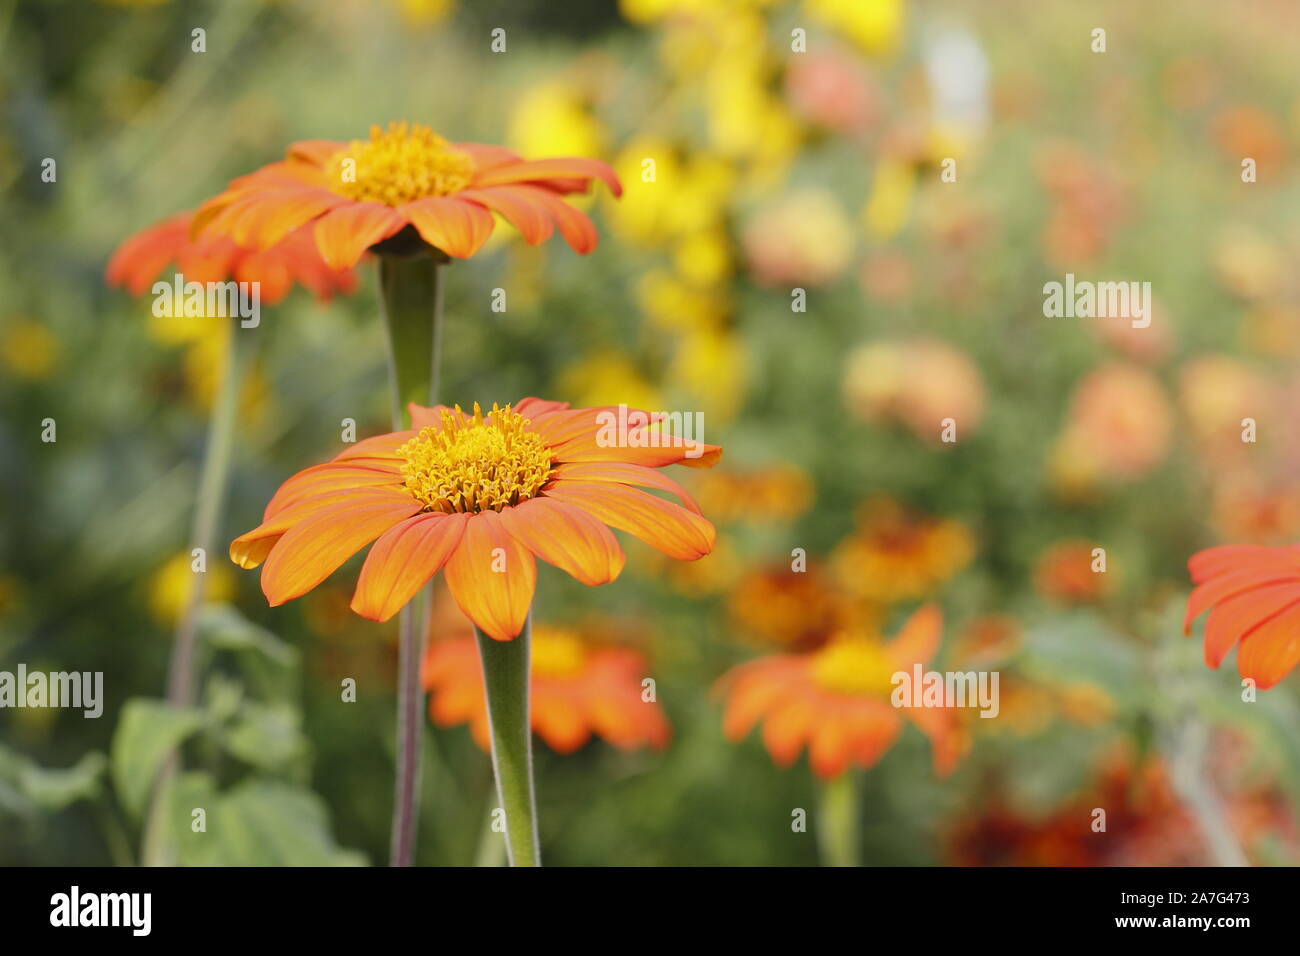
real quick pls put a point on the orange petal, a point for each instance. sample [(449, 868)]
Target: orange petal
[(319, 479), (787, 729), (1223, 586), (625, 474), (919, 638), (566, 537), (315, 151), (669, 527), (495, 600), (344, 234), (457, 228), (1237, 557), (264, 218), (578, 231), (528, 217), (1234, 618), (487, 155), (541, 169), (251, 548), (1270, 651), (314, 548), (560, 724), (402, 560)]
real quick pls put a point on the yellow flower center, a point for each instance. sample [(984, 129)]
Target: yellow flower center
[(406, 162), (475, 464), (557, 652), (854, 665)]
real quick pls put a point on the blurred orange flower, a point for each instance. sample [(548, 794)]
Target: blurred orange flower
[(1253, 596), (579, 688), (1119, 426), (1064, 573), (776, 492), (836, 700), (405, 180), (918, 384), (141, 259), (480, 495), (793, 610), (898, 555)]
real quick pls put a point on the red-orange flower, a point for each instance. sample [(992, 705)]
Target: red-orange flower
[(405, 178), (578, 689), (836, 700), (141, 259), (480, 495), (1253, 596)]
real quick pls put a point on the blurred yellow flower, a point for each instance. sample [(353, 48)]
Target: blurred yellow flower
[(672, 304), (874, 25), (710, 365), (552, 119), (169, 586), (425, 12), (773, 493), (29, 349), (890, 198), (608, 377)]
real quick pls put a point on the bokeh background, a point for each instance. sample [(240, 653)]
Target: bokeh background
[(775, 170)]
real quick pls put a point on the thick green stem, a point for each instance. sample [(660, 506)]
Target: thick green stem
[(838, 835), (506, 677), (411, 293), (214, 480)]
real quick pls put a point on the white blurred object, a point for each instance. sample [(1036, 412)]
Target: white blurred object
[(958, 74)]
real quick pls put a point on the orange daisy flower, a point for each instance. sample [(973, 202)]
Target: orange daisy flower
[(480, 495), (405, 184), (578, 689), (1253, 596), (836, 700), (141, 259)]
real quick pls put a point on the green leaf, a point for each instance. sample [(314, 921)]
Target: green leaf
[(268, 662), (257, 823), (266, 736), (146, 732), (52, 789)]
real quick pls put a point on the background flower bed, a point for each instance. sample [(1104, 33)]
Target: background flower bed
[(922, 296)]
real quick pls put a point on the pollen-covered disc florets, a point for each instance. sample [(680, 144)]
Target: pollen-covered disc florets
[(398, 165), (473, 464)]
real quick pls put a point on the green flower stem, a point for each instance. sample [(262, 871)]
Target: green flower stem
[(214, 480), (506, 676), (411, 294), (838, 835)]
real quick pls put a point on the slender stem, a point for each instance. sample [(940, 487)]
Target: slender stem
[(491, 844), (411, 293), (1193, 784), (506, 677), (214, 479), (838, 835)]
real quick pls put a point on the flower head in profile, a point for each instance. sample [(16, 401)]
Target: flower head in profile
[(142, 258), (836, 700), (409, 185), (1253, 596), (480, 496), (580, 689)]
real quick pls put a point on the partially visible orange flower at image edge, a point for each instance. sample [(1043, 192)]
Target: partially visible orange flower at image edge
[(481, 496), (1253, 595), (407, 179), (579, 689), (836, 701)]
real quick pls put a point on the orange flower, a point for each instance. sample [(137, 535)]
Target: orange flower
[(1253, 596), (837, 700), (1064, 573), (406, 180), (897, 555), (141, 259), (578, 689), (480, 495)]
